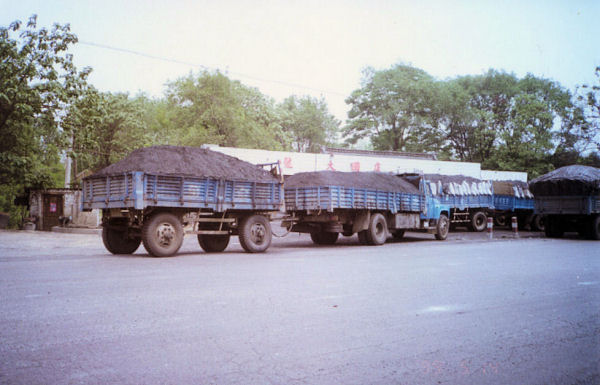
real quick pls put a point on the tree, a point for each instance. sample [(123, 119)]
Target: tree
[(586, 140), (37, 79), (309, 123), (211, 108), (395, 108), (104, 127)]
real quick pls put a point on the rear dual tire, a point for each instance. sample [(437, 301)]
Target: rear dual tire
[(324, 237), (376, 233)]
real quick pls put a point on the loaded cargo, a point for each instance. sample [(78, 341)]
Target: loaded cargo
[(569, 200), (372, 205), (514, 199)]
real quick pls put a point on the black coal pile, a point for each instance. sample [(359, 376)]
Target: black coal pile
[(369, 180), (187, 161), (569, 180), (512, 187)]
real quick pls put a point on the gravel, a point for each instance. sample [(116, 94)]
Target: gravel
[(187, 161), (370, 180)]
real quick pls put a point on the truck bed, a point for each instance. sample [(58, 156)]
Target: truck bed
[(573, 205), (463, 202), (329, 198), (512, 203), (139, 190)]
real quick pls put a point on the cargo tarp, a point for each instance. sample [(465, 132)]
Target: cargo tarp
[(569, 180)]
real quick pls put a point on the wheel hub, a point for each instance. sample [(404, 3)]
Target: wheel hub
[(165, 234), (258, 232)]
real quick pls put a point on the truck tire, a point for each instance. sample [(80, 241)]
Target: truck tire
[(595, 230), (117, 242), (162, 234), (398, 234), (537, 223), (255, 233), (442, 228), (213, 243), (553, 227), (324, 237), (478, 221), (500, 220), (377, 232)]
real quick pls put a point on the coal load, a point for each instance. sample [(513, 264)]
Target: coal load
[(366, 180), (512, 188), (569, 180), (458, 185), (189, 162)]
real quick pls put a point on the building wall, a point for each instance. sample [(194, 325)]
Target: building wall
[(71, 208), (295, 162)]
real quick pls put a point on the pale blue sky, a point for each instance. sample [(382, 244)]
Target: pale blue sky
[(320, 47)]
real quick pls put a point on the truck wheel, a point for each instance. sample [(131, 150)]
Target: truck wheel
[(537, 223), (117, 242), (255, 233), (478, 221), (324, 238), (213, 243), (442, 228), (553, 228), (398, 234), (162, 235), (500, 221), (595, 230), (377, 231)]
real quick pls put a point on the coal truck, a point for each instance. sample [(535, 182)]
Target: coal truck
[(470, 199), (157, 194), (373, 205), (514, 199), (569, 200)]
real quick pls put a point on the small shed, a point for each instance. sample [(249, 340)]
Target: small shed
[(60, 207)]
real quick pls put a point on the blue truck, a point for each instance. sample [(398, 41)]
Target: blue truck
[(159, 208), (371, 205), (569, 200), (470, 200), (513, 199)]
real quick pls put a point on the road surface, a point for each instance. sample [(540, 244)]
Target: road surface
[(419, 311)]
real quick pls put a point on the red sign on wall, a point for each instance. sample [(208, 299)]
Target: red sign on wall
[(52, 207)]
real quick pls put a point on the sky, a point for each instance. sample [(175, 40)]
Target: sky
[(320, 48)]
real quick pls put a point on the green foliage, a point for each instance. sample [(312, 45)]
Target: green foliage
[(37, 79), (211, 108), (396, 108), (103, 128), (496, 119), (308, 122)]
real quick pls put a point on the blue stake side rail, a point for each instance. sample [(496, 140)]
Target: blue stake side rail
[(512, 203), (328, 198), (463, 202), (139, 190), (577, 205)]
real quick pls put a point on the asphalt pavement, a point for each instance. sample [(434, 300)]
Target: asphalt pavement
[(417, 311)]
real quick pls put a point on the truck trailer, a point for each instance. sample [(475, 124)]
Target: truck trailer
[(569, 200), (372, 205), (158, 194)]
